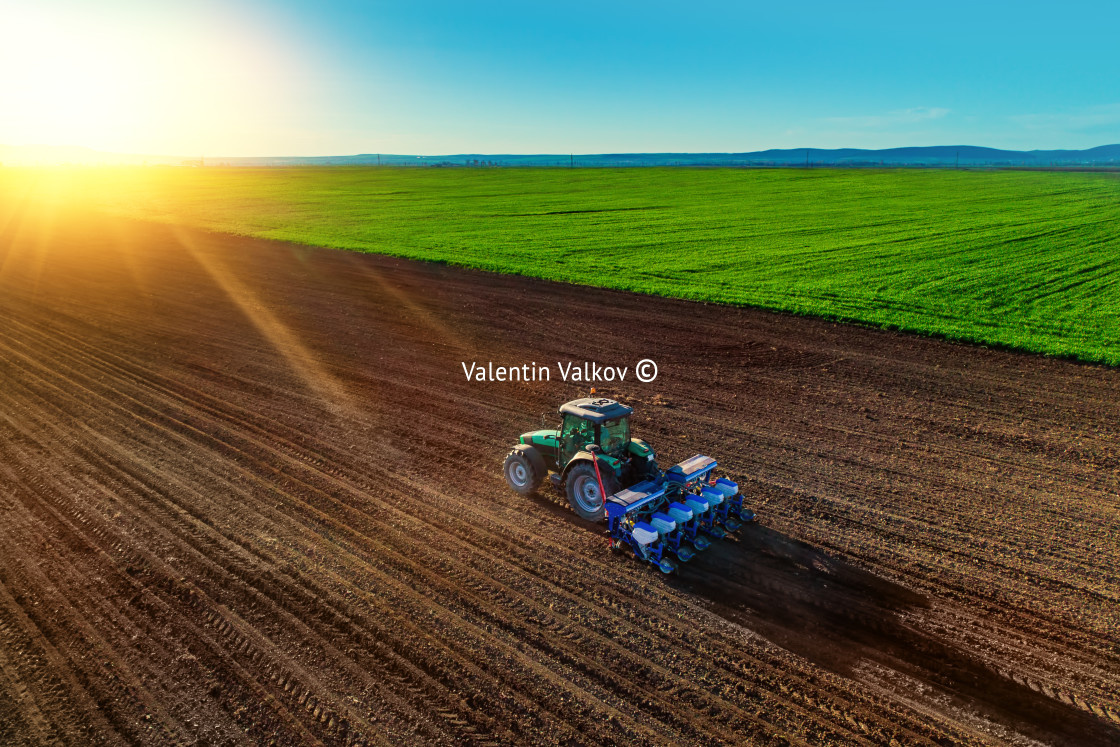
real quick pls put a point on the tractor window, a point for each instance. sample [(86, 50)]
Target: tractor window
[(615, 434), (577, 432)]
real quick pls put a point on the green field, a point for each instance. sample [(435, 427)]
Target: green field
[(1029, 260)]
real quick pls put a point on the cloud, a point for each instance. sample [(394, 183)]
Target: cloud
[(1079, 120), (890, 119)]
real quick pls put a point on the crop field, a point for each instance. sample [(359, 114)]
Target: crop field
[(1022, 259), (247, 495)]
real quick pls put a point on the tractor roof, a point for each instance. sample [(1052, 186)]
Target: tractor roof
[(595, 410)]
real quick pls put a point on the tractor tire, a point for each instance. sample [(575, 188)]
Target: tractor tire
[(584, 495), (524, 469)]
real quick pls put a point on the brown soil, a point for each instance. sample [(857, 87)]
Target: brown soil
[(248, 496)]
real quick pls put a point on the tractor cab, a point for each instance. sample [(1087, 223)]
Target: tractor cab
[(602, 422)]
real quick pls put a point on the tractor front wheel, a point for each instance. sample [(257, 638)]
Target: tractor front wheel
[(523, 473), (584, 495)]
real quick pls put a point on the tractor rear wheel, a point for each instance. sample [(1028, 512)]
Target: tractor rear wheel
[(524, 470), (584, 495)]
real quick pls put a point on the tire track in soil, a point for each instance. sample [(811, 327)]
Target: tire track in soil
[(453, 571), (423, 564), (225, 625), (272, 564)]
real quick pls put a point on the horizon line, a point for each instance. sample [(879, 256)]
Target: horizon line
[(540, 154)]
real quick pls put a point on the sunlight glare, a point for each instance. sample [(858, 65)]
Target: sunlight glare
[(141, 82)]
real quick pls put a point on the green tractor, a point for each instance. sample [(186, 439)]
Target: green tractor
[(665, 518), (590, 457)]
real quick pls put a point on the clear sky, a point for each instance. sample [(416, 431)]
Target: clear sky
[(290, 77)]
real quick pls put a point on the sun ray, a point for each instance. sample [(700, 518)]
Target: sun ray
[(300, 358), (406, 301), (133, 264), (31, 229)]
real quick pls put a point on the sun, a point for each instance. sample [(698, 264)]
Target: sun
[(60, 85), (148, 79)]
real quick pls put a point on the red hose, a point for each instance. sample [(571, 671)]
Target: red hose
[(602, 490)]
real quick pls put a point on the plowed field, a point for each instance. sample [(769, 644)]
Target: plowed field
[(248, 496)]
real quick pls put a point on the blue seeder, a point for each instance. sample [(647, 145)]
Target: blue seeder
[(677, 515)]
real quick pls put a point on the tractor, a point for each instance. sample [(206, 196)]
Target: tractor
[(607, 474)]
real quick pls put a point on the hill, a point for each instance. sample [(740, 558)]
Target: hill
[(1106, 156)]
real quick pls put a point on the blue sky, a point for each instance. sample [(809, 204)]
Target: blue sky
[(301, 78)]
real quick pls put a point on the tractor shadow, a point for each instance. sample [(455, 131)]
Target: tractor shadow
[(553, 503), (840, 616)]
